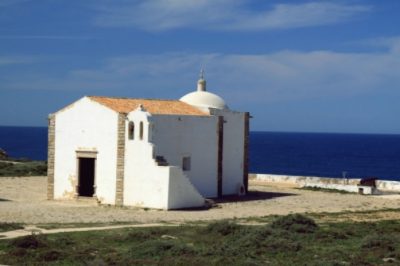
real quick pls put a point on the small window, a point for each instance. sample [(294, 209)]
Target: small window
[(131, 130), (186, 163), (141, 131)]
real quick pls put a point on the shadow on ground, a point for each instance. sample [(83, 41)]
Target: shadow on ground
[(252, 196)]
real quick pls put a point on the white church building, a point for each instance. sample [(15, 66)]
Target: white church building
[(164, 154)]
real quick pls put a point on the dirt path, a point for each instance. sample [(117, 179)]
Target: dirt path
[(23, 200), (32, 229)]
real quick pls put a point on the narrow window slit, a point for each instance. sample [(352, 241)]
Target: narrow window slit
[(131, 130), (141, 131)]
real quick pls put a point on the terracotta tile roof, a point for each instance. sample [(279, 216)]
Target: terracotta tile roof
[(163, 107)]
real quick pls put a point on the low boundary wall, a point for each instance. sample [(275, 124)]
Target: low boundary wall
[(347, 184)]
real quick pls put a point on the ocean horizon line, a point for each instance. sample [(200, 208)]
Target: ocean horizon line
[(287, 153), (262, 131)]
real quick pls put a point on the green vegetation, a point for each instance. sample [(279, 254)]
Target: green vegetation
[(10, 226), (327, 190), (23, 168), (79, 225), (288, 240)]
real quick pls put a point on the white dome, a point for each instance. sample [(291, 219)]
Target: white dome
[(204, 100)]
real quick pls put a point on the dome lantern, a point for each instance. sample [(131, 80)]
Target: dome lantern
[(201, 83), (203, 99)]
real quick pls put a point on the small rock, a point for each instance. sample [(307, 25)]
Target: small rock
[(3, 154), (168, 237), (389, 260)]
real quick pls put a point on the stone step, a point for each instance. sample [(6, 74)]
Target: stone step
[(87, 200)]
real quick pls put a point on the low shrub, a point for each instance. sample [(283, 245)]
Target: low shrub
[(254, 237), (160, 248), (4, 227), (223, 228), (295, 223), (138, 234), (18, 252), (23, 168), (65, 241), (333, 234), (278, 244), (29, 242), (382, 242), (51, 255), (4, 165)]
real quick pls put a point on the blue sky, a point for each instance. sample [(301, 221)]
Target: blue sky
[(297, 66)]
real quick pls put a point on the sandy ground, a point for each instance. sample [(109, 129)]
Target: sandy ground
[(23, 199)]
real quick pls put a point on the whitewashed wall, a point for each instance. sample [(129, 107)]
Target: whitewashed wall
[(145, 183), (175, 137), (85, 126), (309, 181), (182, 193), (348, 184), (388, 185), (233, 154)]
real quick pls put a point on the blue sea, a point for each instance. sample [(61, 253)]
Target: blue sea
[(311, 154)]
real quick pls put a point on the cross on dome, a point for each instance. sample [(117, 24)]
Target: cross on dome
[(202, 73)]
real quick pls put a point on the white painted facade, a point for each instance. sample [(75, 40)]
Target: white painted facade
[(147, 184), (176, 137), (79, 128), (173, 160), (233, 150)]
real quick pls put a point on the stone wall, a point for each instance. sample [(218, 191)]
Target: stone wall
[(50, 157), (119, 196)]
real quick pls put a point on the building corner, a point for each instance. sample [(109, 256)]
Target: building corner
[(119, 193), (50, 156), (246, 151)]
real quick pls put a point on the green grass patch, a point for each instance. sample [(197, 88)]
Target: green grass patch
[(288, 240), (23, 168), (4, 227), (318, 215), (332, 190), (79, 225)]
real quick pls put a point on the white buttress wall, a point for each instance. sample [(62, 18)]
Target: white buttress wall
[(146, 184), (182, 193), (85, 126), (233, 150), (196, 137)]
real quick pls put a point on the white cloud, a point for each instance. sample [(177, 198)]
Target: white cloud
[(16, 60), (300, 15), (43, 37), (166, 14), (392, 44), (157, 15), (260, 78)]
